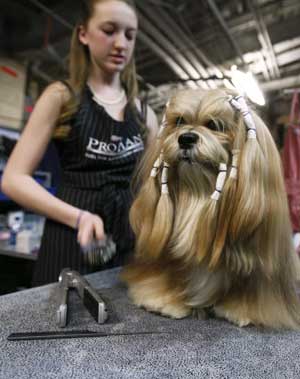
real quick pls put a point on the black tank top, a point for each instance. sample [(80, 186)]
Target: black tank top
[(98, 159), (99, 150)]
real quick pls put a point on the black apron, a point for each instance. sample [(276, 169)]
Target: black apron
[(98, 159)]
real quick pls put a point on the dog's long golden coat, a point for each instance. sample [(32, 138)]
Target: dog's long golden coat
[(235, 254)]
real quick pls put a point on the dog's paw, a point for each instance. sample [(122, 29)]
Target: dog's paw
[(152, 295), (232, 316), (159, 305), (175, 311)]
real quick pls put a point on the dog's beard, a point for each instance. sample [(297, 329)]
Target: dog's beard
[(193, 170), (192, 177), (196, 177), (190, 186)]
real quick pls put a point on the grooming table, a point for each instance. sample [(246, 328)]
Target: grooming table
[(190, 348)]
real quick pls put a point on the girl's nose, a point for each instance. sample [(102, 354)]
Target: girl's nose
[(120, 41)]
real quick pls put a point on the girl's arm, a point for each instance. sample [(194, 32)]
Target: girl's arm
[(17, 181)]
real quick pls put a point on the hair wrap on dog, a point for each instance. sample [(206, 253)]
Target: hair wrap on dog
[(164, 179), (239, 103), (234, 167), (220, 181), (163, 122), (156, 165), (159, 160)]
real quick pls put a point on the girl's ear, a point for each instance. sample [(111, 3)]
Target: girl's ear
[(82, 34)]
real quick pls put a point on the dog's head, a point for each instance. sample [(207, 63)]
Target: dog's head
[(212, 180)]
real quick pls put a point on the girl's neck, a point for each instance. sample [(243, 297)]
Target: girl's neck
[(99, 81), (108, 92)]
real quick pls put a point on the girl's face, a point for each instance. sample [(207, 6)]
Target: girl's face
[(110, 35)]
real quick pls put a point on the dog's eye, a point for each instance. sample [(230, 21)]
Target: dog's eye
[(213, 126), (179, 121), (216, 126)]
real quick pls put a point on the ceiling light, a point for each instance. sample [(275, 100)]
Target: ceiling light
[(246, 84)]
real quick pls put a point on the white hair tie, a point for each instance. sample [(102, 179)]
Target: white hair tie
[(220, 181), (234, 164), (239, 103), (163, 122), (156, 165), (164, 179)]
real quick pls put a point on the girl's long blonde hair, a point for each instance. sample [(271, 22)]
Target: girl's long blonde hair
[(79, 63), (79, 66)]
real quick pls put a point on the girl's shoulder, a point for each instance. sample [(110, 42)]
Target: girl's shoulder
[(60, 91), (149, 116), (144, 109)]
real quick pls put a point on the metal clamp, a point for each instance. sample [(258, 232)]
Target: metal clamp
[(91, 299)]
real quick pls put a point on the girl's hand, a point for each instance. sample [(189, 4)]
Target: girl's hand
[(90, 226)]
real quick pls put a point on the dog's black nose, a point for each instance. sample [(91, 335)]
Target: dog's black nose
[(187, 140)]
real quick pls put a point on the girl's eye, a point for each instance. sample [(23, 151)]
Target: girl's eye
[(130, 36), (109, 32)]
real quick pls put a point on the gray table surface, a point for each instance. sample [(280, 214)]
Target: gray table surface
[(191, 348)]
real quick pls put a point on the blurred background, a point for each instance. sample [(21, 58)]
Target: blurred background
[(251, 45)]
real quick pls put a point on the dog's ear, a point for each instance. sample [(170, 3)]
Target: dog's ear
[(223, 220), (250, 201), (142, 214), (243, 202), (258, 212), (162, 226), (151, 215), (146, 185), (260, 231)]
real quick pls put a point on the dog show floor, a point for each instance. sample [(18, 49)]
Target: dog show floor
[(187, 348)]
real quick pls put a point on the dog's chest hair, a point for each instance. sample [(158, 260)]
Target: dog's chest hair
[(203, 286), (186, 217), (188, 209)]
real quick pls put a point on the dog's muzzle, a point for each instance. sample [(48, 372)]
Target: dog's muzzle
[(187, 140)]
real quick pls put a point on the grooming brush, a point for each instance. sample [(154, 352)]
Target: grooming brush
[(99, 252)]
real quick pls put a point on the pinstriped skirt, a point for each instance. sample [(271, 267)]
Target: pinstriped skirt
[(59, 247)]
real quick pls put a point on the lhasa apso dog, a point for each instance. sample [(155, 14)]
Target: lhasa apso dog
[(211, 217)]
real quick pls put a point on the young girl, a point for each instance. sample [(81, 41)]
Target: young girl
[(99, 121)]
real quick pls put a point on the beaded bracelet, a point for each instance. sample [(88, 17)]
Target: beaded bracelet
[(79, 218)]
